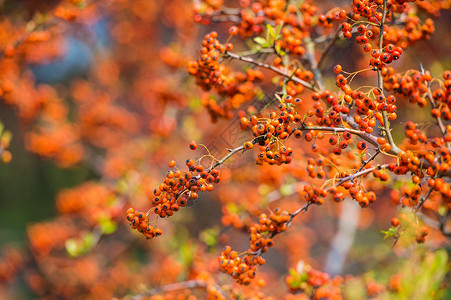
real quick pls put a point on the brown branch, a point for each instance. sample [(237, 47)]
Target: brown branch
[(272, 68), (439, 119), (310, 53), (380, 81), (423, 199), (329, 47)]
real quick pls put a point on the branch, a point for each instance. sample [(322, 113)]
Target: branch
[(439, 119), (380, 80), (310, 51), (423, 199), (272, 68), (329, 47)]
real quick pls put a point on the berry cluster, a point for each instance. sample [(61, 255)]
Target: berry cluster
[(389, 53), (267, 227), (414, 85), (238, 87), (138, 220), (176, 191), (180, 187), (207, 68), (411, 31), (313, 282), (243, 270), (270, 132), (369, 106)]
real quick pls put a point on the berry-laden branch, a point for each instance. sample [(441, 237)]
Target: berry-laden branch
[(341, 116)]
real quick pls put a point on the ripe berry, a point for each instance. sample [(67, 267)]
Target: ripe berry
[(361, 145), (193, 145), (233, 30), (395, 222)]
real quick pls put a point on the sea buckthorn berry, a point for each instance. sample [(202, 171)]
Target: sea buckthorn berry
[(248, 145), (395, 222), (361, 145), (361, 28), (193, 145), (424, 231)]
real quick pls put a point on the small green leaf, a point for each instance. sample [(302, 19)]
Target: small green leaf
[(107, 226), (261, 41), (286, 189), (279, 29), (442, 210), (88, 241), (72, 247), (389, 233), (271, 30)]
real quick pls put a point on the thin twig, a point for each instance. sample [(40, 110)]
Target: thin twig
[(310, 53), (440, 124), (272, 68), (423, 199), (380, 81), (364, 163), (329, 47)]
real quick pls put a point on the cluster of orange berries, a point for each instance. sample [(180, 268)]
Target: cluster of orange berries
[(180, 187), (368, 110), (438, 164), (243, 270), (314, 194), (5, 140), (176, 191), (364, 198), (138, 220), (277, 127), (411, 31), (293, 88), (238, 87), (414, 85), (207, 69), (420, 234), (266, 228), (389, 54), (328, 19), (410, 196), (307, 280)]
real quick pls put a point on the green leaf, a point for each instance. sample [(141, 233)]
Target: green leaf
[(287, 189), (389, 233), (88, 241), (72, 247), (271, 30), (261, 41), (107, 226), (279, 30)]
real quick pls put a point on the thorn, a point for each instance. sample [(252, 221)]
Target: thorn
[(421, 68)]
